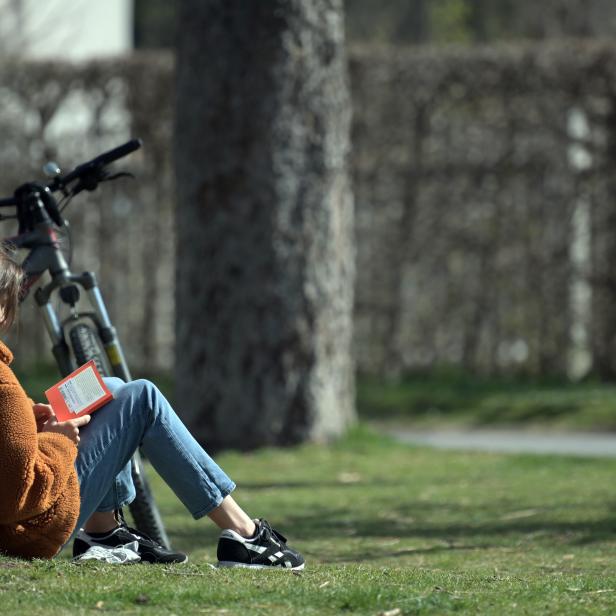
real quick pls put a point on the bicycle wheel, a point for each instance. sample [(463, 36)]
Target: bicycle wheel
[(143, 509), (87, 345)]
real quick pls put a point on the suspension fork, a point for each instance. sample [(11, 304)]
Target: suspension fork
[(106, 330), (59, 347)]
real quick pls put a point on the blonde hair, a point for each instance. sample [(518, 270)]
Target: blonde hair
[(11, 277)]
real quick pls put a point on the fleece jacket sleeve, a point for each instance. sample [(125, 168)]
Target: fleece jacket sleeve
[(34, 468)]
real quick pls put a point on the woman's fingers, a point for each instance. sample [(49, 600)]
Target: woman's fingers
[(69, 428), (73, 426), (42, 411), (71, 431), (77, 423), (80, 421), (42, 414)]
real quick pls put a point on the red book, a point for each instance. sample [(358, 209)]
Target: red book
[(80, 393)]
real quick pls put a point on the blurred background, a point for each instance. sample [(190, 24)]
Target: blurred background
[(483, 149)]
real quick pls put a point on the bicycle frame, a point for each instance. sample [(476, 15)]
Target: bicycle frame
[(45, 255)]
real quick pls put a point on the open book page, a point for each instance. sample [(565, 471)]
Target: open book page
[(79, 393)]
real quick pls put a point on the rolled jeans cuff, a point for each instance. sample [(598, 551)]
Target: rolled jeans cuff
[(224, 492)]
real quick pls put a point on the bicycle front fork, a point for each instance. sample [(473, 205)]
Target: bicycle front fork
[(69, 292)]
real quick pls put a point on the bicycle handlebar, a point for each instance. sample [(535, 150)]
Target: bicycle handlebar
[(88, 176), (100, 161)]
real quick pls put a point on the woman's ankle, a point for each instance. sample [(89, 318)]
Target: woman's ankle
[(247, 530), (101, 522), (230, 515)]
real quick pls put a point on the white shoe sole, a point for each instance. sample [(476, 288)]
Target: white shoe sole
[(230, 563)]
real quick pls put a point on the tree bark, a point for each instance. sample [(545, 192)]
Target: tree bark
[(604, 248), (265, 222)]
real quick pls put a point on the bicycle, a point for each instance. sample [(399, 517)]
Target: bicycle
[(83, 335)]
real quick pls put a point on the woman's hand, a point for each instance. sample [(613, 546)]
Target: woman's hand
[(69, 428), (42, 413)]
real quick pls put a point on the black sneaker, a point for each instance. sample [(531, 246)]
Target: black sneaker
[(149, 550), (268, 548)]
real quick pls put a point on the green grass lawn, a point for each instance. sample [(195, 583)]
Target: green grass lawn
[(385, 528), (458, 400)]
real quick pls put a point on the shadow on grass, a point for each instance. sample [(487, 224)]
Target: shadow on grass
[(341, 529), (380, 554)]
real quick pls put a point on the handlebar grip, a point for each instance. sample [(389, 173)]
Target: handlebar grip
[(122, 150), (8, 201), (102, 159)]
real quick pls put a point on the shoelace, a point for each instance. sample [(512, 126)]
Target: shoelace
[(265, 525), (143, 538), (147, 540)]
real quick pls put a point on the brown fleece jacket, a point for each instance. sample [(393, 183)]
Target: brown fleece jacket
[(39, 491)]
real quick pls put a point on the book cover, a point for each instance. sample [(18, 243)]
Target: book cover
[(80, 393)]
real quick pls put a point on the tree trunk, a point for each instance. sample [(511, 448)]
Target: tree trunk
[(265, 221), (604, 288)]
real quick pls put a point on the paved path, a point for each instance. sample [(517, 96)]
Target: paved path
[(514, 441)]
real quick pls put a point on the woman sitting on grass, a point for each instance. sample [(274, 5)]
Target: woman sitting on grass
[(56, 477)]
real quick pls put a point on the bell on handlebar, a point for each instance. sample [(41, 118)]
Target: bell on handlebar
[(51, 169)]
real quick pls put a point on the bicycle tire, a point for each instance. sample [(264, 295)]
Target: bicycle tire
[(86, 345), (144, 510)]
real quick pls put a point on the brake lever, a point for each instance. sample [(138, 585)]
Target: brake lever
[(120, 174), (90, 179)]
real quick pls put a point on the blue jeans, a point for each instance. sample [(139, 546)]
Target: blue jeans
[(140, 416)]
